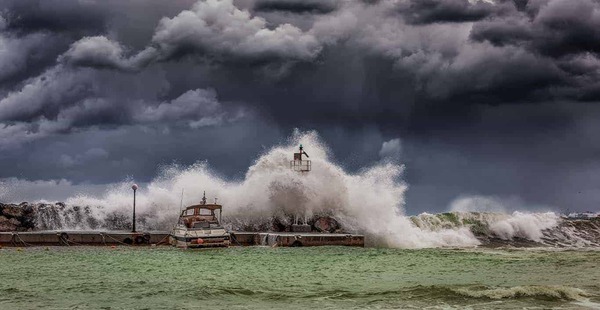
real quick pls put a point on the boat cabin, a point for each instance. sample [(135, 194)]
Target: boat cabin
[(201, 216)]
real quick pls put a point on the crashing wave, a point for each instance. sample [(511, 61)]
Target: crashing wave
[(546, 292), (370, 202), (518, 228), (488, 229)]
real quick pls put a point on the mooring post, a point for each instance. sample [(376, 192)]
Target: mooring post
[(134, 187)]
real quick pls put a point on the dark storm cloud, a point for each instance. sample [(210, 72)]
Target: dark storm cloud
[(20, 53), (78, 17), (215, 30), (220, 29), (451, 52), (295, 6), (37, 31), (96, 52), (87, 73), (61, 101), (444, 57), (440, 11), (558, 28), (114, 154)]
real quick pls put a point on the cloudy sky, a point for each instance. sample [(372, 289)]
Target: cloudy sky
[(489, 98)]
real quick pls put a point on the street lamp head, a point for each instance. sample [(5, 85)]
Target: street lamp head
[(134, 187)]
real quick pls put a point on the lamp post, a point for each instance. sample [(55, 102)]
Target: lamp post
[(134, 187)]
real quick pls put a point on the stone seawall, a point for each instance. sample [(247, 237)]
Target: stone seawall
[(15, 217), (59, 216)]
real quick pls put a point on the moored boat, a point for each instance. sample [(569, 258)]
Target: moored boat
[(200, 226)]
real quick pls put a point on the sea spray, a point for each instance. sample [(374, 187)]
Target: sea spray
[(370, 201), (525, 225), (517, 228)]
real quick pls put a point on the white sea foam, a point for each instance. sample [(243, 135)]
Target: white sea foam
[(555, 292), (370, 202), (525, 225)]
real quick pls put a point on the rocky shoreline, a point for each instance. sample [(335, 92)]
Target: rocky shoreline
[(47, 216), (17, 217), (58, 216)]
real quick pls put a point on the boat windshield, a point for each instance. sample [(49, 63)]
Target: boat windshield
[(205, 225), (204, 211)]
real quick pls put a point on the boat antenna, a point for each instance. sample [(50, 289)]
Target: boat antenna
[(204, 198), (181, 202)]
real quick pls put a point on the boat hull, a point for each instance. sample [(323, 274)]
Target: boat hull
[(187, 242)]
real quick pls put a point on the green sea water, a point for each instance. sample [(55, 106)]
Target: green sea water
[(297, 278)]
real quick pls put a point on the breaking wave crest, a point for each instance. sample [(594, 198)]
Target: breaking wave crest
[(546, 292), (450, 292), (369, 202), (518, 228)]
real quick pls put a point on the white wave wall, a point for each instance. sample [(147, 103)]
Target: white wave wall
[(525, 225), (495, 213), (370, 201)]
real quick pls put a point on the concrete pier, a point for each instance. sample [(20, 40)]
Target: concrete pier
[(74, 238), (69, 238), (293, 239)]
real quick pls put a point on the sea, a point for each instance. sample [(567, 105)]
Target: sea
[(480, 253), (299, 278)]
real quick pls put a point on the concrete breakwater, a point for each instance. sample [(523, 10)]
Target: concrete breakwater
[(73, 238), (44, 224), (77, 238)]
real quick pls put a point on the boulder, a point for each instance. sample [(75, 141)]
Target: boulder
[(326, 224), (15, 217), (12, 211), (7, 224)]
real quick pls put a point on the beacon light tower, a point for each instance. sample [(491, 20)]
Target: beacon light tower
[(298, 164), (134, 187)]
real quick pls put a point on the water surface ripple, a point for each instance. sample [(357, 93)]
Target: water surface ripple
[(297, 278)]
